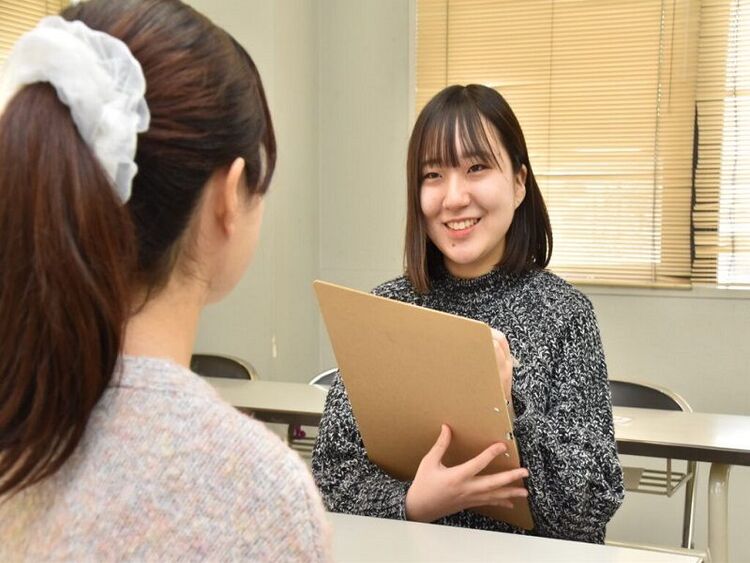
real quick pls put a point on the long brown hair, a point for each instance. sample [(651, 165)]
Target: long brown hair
[(459, 112), (71, 254)]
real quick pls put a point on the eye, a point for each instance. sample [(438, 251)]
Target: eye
[(474, 168), (430, 176)]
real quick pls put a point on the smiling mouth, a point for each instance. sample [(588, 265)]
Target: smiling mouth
[(461, 225)]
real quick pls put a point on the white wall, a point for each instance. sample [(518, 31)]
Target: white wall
[(364, 128), (269, 319), (338, 72)]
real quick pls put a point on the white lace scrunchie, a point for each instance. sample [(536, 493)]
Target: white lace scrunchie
[(97, 77)]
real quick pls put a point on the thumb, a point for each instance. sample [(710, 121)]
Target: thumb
[(438, 450)]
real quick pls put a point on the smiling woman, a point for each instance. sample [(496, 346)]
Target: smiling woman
[(468, 206), (478, 240), (473, 201)]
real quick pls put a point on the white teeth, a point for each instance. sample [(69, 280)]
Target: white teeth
[(461, 225)]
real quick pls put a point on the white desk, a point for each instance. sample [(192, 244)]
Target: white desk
[(721, 440), (359, 538), (273, 401)]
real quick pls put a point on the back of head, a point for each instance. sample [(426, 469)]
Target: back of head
[(73, 254)]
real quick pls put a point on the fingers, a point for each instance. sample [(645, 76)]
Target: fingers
[(478, 463), (490, 483), (502, 342), (504, 361), (504, 503), (500, 497), (437, 451)]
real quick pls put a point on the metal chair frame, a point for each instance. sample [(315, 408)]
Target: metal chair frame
[(296, 438), (668, 481), (246, 366)]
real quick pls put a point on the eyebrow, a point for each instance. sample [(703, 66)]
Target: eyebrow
[(475, 155)]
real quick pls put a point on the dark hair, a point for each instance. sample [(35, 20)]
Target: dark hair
[(73, 257), (458, 112)]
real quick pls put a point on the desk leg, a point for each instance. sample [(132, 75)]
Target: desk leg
[(718, 502)]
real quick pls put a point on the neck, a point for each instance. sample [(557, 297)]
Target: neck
[(166, 326)]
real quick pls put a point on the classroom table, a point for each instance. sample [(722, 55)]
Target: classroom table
[(361, 538), (721, 440), (273, 401)]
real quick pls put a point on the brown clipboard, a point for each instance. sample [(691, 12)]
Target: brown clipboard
[(407, 370)]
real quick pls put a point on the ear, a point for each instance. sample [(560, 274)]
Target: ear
[(227, 198), (519, 186)]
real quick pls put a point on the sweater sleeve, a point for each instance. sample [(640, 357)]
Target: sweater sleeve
[(348, 481), (575, 479)]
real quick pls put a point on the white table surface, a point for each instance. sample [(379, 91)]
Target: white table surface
[(683, 435), (360, 538), (694, 436), (273, 401), (722, 440)]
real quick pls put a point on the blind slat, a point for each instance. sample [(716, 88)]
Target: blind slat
[(591, 146), (19, 16), (605, 93)]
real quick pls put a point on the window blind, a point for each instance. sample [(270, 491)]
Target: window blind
[(605, 93), (721, 213), (19, 16)]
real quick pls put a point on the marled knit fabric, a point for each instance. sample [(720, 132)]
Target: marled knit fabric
[(560, 396), (167, 471)]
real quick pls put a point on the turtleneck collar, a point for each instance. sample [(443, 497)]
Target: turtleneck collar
[(496, 280)]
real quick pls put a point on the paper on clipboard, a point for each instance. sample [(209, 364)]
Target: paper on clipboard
[(409, 369)]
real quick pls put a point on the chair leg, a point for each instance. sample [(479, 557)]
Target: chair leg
[(290, 435), (688, 518)]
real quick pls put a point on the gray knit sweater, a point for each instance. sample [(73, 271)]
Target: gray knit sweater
[(560, 396)]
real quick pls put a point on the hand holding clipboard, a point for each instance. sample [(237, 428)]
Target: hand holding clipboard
[(408, 371)]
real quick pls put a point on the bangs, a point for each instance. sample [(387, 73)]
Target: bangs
[(455, 133)]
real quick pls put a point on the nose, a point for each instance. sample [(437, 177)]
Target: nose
[(457, 194)]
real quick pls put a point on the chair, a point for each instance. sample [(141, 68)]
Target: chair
[(296, 437), (324, 380), (651, 481), (215, 365)]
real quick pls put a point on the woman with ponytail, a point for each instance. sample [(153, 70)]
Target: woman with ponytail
[(136, 147)]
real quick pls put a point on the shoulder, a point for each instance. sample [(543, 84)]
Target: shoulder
[(399, 289), (553, 294), (200, 456), (550, 308), (265, 487), (175, 420)]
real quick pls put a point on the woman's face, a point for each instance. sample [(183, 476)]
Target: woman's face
[(468, 209)]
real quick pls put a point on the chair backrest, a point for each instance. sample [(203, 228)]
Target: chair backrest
[(646, 396), (214, 365), (324, 379), (650, 396)]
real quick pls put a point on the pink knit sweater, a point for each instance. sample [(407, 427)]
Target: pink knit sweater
[(168, 471)]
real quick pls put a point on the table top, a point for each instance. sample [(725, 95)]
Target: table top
[(273, 401), (361, 538), (695, 436), (648, 432)]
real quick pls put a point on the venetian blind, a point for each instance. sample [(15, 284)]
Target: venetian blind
[(19, 16), (605, 93), (722, 185)]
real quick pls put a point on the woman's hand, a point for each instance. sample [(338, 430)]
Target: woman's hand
[(504, 362), (438, 490)]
